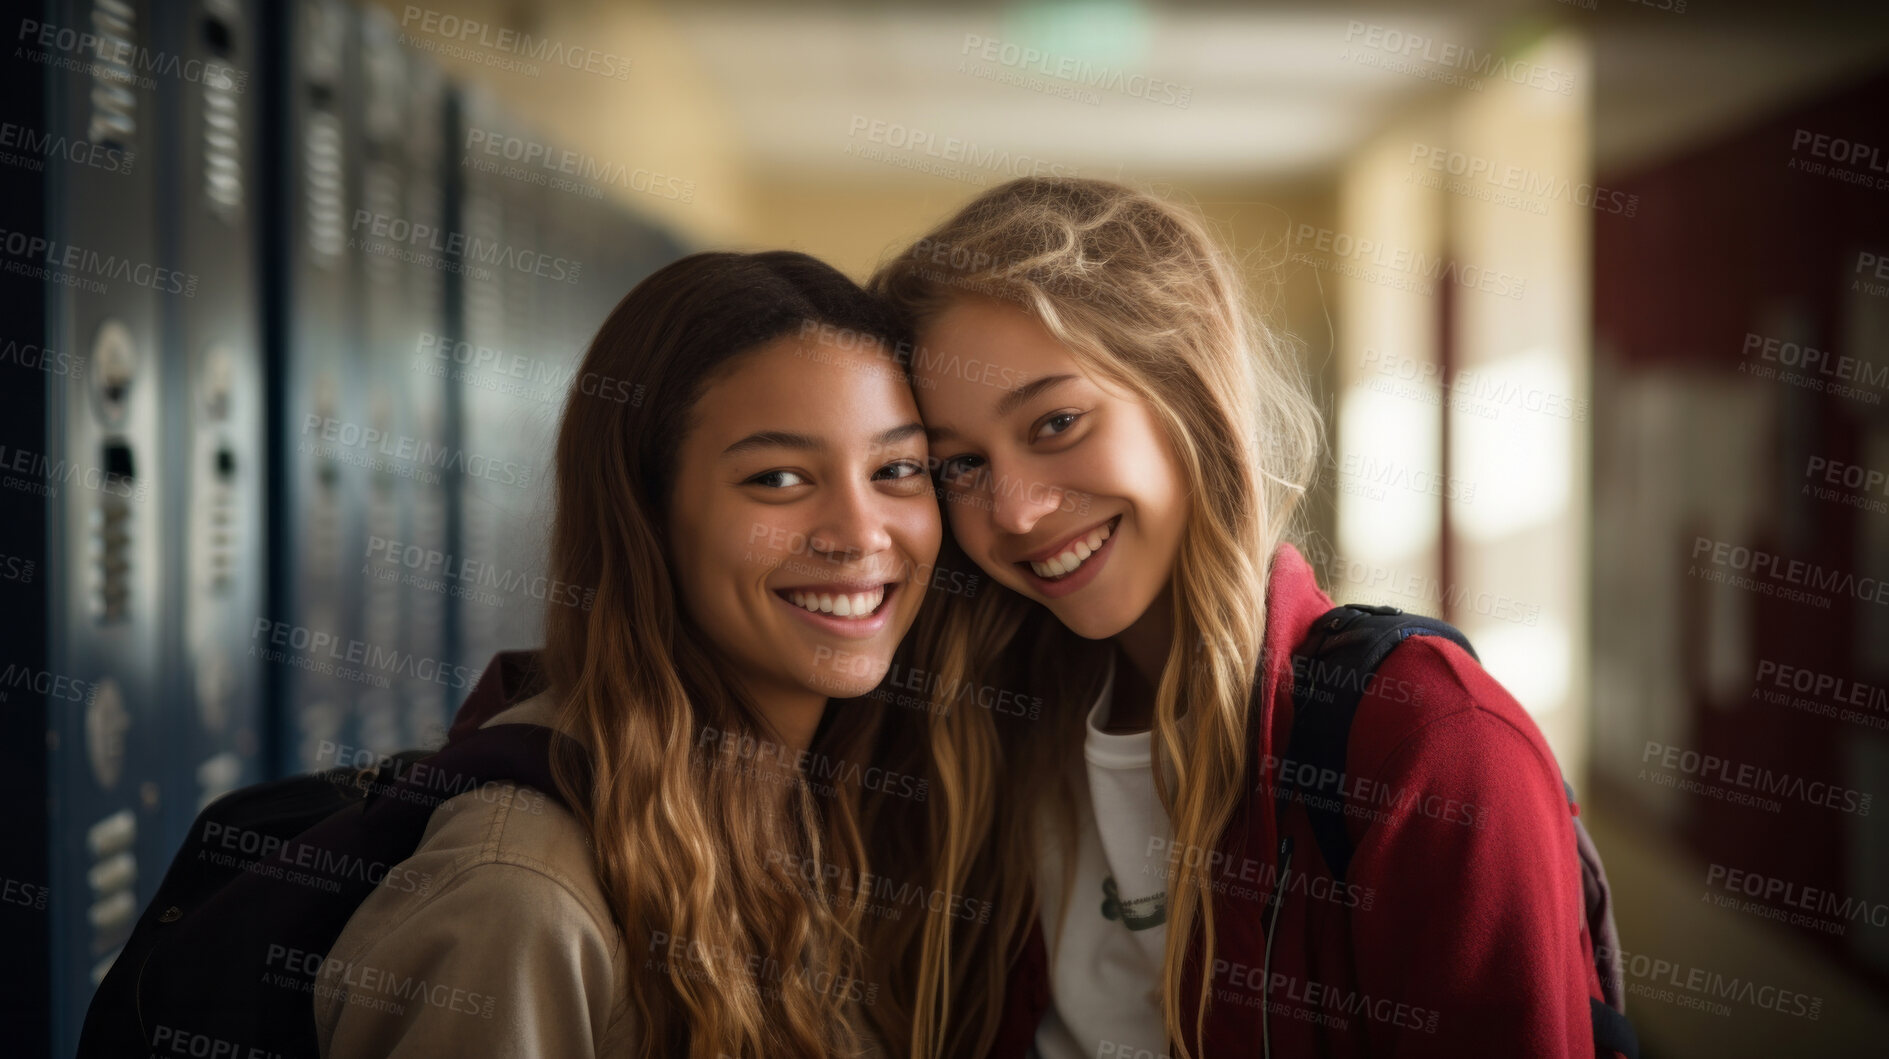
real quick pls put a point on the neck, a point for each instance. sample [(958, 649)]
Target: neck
[(789, 715), (1144, 647)]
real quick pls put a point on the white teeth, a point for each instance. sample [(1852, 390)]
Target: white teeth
[(1078, 552), (849, 605)]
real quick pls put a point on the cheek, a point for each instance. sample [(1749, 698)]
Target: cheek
[(1141, 461), (758, 546), (1159, 485), (719, 554), (922, 531)]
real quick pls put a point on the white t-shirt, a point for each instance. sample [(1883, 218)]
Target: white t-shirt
[(1105, 949)]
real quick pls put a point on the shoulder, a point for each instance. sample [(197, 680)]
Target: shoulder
[(501, 901), (1433, 707), (506, 836), (509, 851), (515, 825)]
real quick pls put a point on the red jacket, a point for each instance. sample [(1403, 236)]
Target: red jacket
[(1459, 930)]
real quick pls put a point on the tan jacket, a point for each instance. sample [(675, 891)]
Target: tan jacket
[(509, 951)]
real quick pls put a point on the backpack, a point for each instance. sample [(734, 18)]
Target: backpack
[(226, 958), (1336, 661)]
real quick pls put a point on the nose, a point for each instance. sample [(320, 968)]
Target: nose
[(852, 525), (1016, 501)]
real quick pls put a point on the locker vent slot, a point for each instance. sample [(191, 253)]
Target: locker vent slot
[(221, 487), (112, 533), (217, 34), (114, 99), (222, 145), (323, 181), (112, 880)]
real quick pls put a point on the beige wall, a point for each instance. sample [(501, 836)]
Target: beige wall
[(1512, 488)]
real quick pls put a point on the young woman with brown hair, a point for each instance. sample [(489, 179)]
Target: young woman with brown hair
[(748, 500)]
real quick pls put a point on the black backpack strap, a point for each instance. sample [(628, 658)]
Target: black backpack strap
[(1331, 671), (501, 753), (1612, 1031)]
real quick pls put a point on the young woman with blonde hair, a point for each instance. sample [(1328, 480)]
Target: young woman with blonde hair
[(1122, 450)]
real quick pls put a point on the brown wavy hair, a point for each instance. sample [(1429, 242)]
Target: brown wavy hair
[(1142, 294), (682, 848)]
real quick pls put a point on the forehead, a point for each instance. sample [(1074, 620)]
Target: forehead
[(834, 385), (980, 319), (989, 344)]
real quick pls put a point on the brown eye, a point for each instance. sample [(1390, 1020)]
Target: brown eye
[(951, 471), (774, 479), (901, 469), (1061, 421)]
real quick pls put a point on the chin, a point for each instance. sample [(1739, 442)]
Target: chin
[(1088, 624), (842, 687), (847, 677)]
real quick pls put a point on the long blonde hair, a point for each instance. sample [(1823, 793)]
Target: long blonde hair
[(702, 883), (1141, 294)]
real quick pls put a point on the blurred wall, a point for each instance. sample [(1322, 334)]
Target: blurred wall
[(1743, 369)]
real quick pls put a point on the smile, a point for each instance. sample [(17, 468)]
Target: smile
[(1073, 554), (859, 604), (1074, 563), (853, 611)]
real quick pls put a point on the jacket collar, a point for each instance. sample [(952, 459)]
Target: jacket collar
[(508, 678), (1293, 603)]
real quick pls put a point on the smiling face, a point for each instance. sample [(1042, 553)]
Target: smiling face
[(1058, 484), (802, 524)]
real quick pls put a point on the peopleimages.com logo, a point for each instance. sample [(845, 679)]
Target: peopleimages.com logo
[(467, 32)]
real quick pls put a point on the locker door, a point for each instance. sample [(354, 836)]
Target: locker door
[(429, 696), (396, 255), (491, 315), (320, 435), (514, 431), (106, 485), (215, 395)]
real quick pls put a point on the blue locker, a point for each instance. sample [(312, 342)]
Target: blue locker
[(405, 269), (214, 392), (105, 506), (432, 690), (312, 641), (497, 305), (396, 254)]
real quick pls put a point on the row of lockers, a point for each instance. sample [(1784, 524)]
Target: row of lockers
[(281, 363)]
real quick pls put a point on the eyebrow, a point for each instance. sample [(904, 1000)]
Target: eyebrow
[(1015, 398), (787, 439), (1010, 402)]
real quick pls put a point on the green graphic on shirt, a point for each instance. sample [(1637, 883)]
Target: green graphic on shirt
[(1143, 913)]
